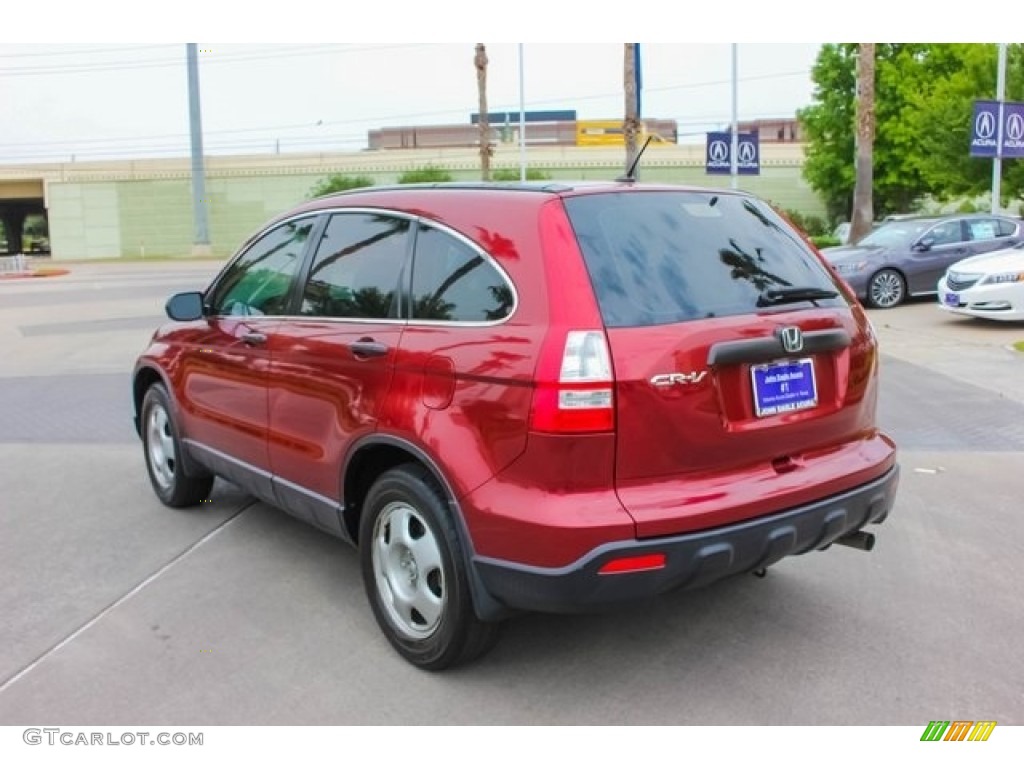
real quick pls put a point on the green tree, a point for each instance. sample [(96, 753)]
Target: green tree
[(923, 101), (425, 175), (339, 182), (829, 125), (940, 112)]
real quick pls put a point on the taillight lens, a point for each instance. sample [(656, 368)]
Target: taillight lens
[(581, 399)]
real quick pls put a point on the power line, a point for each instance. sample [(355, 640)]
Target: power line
[(226, 141), (342, 142), (86, 51), (230, 58), (173, 142)]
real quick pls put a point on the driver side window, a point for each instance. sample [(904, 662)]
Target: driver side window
[(946, 233), (260, 280)]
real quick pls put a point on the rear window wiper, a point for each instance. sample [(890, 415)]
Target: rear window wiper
[(774, 296)]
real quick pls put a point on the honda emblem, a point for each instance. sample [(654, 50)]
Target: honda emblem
[(792, 339)]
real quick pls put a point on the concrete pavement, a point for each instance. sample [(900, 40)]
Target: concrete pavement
[(119, 611), (966, 349)]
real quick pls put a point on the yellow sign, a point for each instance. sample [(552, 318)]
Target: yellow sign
[(608, 133), (599, 133)]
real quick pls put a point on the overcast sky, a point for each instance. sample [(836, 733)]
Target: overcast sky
[(120, 99), (107, 78)]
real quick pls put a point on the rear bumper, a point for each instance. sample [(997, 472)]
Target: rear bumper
[(691, 560)]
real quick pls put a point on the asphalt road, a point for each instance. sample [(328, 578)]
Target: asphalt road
[(119, 611)]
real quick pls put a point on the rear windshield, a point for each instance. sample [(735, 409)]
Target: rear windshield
[(663, 257)]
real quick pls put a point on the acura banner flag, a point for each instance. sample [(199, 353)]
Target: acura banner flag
[(718, 153), (985, 129)]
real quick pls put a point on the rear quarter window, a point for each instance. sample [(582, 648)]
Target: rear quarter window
[(453, 282), (664, 257)]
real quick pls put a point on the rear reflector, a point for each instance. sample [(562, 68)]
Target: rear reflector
[(634, 564)]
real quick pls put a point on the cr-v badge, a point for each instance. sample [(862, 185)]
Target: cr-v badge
[(671, 379)]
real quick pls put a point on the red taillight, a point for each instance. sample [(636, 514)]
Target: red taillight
[(634, 564), (580, 398)]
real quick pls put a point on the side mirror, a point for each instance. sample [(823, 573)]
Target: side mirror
[(923, 245), (185, 306)]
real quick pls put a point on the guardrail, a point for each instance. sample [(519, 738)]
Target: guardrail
[(15, 263)]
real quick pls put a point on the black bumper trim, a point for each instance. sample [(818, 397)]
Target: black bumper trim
[(770, 348), (692, 560)]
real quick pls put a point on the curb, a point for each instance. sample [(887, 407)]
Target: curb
[(41, 272)]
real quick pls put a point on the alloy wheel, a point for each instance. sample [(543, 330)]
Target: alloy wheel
[(886, 289)]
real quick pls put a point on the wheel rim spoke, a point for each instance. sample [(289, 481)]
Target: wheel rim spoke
[(166, 441), (401, 521), (427, 605), (427, 554)]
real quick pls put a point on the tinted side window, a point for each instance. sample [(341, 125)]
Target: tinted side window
[(452, 281), (984, 229), (663, 257), (357, 266), (1006, 228), (945, 233), (259, 280)]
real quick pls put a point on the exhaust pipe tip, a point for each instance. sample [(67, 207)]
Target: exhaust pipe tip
[(858, 540)]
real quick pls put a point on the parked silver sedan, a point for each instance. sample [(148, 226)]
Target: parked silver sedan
[(907, 257)]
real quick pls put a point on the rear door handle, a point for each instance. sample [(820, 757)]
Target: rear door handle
[(254, 338), (368, 348)]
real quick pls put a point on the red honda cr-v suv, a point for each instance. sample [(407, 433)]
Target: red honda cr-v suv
[(527, 397)]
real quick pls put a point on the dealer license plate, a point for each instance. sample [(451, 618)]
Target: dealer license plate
[(782, 387)]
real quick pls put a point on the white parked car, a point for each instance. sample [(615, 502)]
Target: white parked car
[(990, 285)]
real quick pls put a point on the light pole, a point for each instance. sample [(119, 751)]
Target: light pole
[(997, 161), (201, 243), (522, 118), (734, 167)]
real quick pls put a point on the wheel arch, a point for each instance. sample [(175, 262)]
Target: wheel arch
[(145, 376), (374, 455)]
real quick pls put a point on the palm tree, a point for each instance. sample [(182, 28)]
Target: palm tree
[(631, 124), (863, 203), (480, 62)]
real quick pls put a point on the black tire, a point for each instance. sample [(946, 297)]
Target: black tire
[(415, 575), (886, 289), (161, 447)]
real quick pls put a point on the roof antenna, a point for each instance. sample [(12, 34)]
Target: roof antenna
[(631, 173)]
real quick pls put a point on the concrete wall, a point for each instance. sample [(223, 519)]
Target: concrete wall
[(144, 208), (85, 220), (154, 217)]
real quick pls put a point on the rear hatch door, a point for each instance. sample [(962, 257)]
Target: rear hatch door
[(737, 360)]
